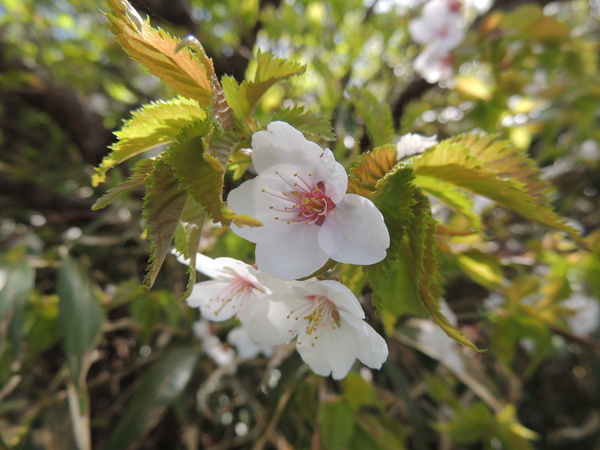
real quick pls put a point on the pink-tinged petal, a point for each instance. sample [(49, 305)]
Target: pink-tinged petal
[(368, 346), (354, 232), (290, 251), (329, 355), (204, 291), (283, 144), (339, 294)]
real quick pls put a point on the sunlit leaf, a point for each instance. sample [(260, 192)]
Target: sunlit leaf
[(472, 87), (496, 170), (158, 388), (482, 268), (456, 199), (376, 115), (141, 170), (185, 71), (244, 97), (370, 168), (151, 126), (423, 246), (306, 121), (81, 316)]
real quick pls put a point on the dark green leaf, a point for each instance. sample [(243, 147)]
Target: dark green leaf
[(158, 389), (17, 280), (81, 316), (306, 121), (336, 425)]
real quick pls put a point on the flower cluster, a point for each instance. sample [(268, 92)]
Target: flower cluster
[(299, 195), (441, 28)]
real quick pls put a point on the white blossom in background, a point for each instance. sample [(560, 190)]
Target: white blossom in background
[(327, 320), (232, 291), (245, 346), (440, 25), (434, 66), (413, 144), (445, 349), (307, 217), (220, 353), (586, 315), (440, 28)]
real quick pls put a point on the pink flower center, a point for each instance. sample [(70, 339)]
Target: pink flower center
[(238, 291), (308, 202)]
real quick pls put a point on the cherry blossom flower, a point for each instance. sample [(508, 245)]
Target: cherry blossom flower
[(413, 144), (441, 24), (300, 197), (433, 65), (232, 291), (327, 320)]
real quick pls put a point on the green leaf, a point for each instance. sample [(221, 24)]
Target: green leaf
[(81, 316), (336, 425), (158, 389), (141, 170), (306, 121), (354, 277), (164, 204), (376, 115), (497, 170), (151, 126), (423, 246), (188, 73), (244, 97), (482, 268), (359, 392), (456, 199), (199, 163), (16, 282)]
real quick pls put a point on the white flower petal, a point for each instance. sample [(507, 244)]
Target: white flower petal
[(245, 346), (368, 346), (290, 251), (355, 232), (329, 355), (283, 144), (204, 291)]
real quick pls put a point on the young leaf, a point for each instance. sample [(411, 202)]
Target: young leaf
[(305, 121), (199, 163), (370, 168), (159, 388), (18, 280), (503, 174), (164, 204), (188, 73), (140, 172), (81, 316), (375, 114), (152, 125), (244, 97), (423, 246)]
